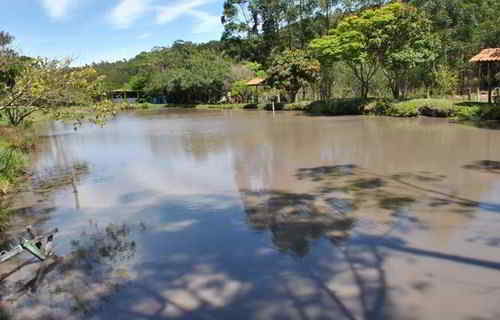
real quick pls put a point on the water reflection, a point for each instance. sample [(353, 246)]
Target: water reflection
[(288, 217), (295, 220), (95, 269)]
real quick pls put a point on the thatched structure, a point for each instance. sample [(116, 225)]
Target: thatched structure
[(488, 57), (256, 83)]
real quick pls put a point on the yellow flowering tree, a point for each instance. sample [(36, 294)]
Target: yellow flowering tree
[(53, 87)]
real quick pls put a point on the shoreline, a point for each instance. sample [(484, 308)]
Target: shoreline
[(438, 108)]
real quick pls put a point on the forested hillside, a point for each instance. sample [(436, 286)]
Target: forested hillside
[(428, 42)]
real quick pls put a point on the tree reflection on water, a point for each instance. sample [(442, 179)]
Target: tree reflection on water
[(296, 220), (93, 270)]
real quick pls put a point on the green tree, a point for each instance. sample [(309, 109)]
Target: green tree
[(51, 86), (396, 37), (349, 42), (446, 80), (404, 42), (9, 61), (293, 69), (186, 73)]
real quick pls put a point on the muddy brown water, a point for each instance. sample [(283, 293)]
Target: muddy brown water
[(246, 215)]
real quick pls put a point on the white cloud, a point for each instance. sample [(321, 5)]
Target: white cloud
[(57, 9), (208, 23), (170, 13), (144, 36), (128, 11)]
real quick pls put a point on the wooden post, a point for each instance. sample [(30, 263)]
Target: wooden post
[(479, 86), (489, 84)]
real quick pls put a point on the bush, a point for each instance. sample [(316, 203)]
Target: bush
[(446, 80), (302, 106), (490, 113), (403, 110), (338, 107), (12, 162), (468, 113), (251, 106), (416, 107), (381, 108)]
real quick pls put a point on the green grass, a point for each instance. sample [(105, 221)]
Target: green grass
[(415, 107), (444, 108), (429, 107), (15, 143), (478, 111), (12, 162)]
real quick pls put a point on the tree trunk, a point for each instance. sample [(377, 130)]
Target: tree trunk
[(364, 90), (292, 93), (395, 90)]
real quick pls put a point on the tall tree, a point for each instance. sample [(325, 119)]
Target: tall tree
[(396, 37), (349, 43), (403, 39), (9, 65), (184, 73), (292, 70)]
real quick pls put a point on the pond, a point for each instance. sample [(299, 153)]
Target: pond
[(250, 215)]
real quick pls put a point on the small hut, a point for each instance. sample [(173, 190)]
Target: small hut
[(256, 83), (130, 96), (488, 57)]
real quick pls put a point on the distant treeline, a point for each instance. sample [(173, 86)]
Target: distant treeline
[(259, 36)]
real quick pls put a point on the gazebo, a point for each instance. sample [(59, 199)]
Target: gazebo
[(256, 83), (487, 57), (121, 95)]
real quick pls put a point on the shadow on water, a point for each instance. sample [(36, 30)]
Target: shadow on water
[(83, 278), (202, 286), (187, 284), (233, 276), (488, 166), (35, 208)]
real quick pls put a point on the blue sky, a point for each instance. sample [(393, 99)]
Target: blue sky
[(96, 30)]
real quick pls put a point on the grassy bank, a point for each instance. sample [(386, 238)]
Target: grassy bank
[(150, 106), (15, 146), (444, 108)]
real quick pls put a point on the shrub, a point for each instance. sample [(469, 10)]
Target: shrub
[(338, 107), (446, 80), (297, 106), (468, 113), (490, 113), (251, 106), (416, 107), (382, 107), (12, 162), (403, 109)]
